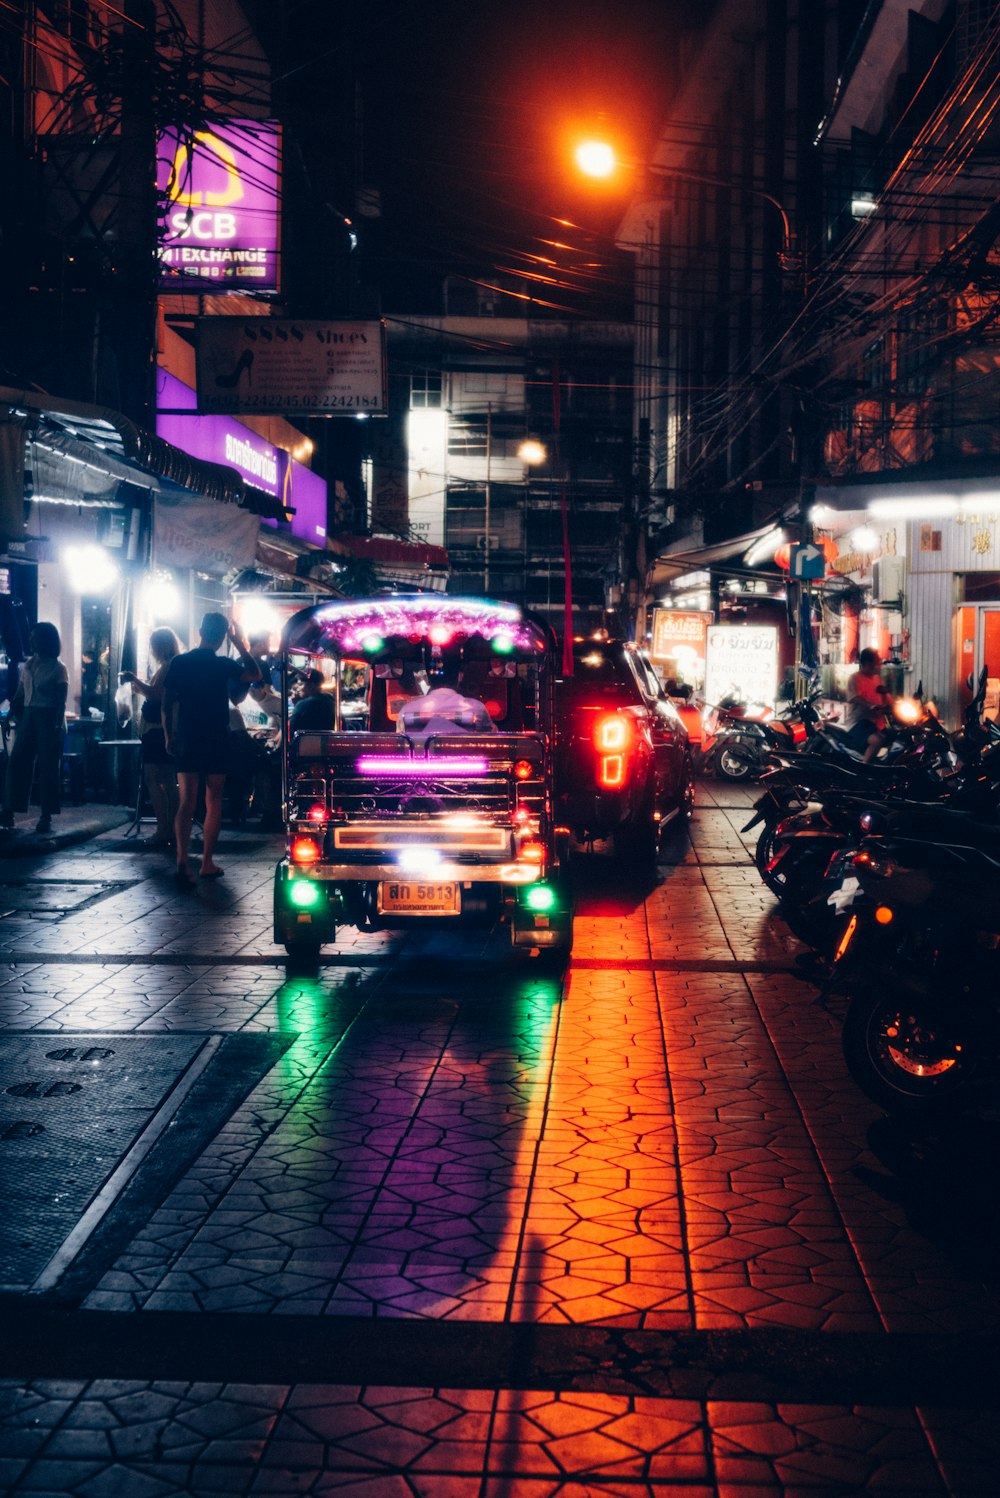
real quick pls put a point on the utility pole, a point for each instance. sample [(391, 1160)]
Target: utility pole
[(135, 311), (489, 459)]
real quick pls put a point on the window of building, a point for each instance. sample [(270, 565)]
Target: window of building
[(425, 389)]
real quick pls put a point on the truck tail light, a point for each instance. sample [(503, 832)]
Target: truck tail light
[(614, 736), (523, 769), (613, 733), (611, 770)]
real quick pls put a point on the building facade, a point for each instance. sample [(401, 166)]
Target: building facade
[(501, 429)]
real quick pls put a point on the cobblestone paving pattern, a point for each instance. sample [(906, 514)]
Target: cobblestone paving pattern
[(665, 1143)]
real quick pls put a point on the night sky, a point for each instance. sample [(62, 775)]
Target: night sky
[(468, 114)]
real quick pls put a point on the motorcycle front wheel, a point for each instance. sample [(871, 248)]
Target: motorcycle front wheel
[(734, 763), (911, 1052), (763, 853)]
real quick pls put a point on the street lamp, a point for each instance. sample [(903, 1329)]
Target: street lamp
[(598, 159)]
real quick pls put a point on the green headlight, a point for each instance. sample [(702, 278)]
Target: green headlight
[(304, 894), (540, 898)]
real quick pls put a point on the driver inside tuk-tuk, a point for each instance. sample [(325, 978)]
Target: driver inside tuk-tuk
[(443, 709)]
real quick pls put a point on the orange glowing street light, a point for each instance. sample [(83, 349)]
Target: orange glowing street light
[(599, 159), (596, 158)]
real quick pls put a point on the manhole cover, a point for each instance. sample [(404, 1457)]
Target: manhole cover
[(65, 1123)]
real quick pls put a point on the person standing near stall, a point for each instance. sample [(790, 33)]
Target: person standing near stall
[(199, 688), (39, 710), (157, 766)]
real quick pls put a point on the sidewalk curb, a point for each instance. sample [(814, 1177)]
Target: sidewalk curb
[(31, 844)]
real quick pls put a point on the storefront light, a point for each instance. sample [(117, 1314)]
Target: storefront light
[(90, 569), (258, 617), (865, 539), (161, 597), (928, 507)]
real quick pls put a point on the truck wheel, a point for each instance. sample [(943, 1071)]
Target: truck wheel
[(637, 843)]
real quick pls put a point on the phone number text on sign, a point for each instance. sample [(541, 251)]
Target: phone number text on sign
[(262, 365)]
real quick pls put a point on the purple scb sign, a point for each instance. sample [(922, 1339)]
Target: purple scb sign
[(221, 439), (221, 186)]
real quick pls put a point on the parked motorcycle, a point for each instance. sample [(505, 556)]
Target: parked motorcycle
[(919, 960), (796, 853), (737, 743)]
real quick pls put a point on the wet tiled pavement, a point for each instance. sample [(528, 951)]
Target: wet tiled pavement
[(469, 1230)]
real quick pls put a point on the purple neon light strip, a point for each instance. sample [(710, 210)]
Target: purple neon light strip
[(423, 769)]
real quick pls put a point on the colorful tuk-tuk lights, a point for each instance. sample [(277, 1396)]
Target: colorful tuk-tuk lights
[(372, 643), (304, 894), (533, 850), (540, 899), (305, 850), (419, 859), (504, 643), (396, 766)]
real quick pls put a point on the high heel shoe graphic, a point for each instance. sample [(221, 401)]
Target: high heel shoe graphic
[(244, 362)]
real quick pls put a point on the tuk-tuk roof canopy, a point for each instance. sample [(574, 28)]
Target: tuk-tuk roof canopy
[(364, 625)]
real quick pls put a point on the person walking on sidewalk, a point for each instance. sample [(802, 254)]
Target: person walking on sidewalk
[(198, 689), (157, 766), (39, 710)]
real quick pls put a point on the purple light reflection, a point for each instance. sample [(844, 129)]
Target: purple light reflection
[(423, 769)]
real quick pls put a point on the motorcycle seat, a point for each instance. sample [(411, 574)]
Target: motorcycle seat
[(944, 825)]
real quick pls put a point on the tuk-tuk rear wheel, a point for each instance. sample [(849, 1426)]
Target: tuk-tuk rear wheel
[(303, 953)]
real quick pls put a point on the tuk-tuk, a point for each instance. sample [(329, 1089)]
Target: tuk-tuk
[(417, 781)]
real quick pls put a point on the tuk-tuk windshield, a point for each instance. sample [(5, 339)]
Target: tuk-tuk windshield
[(375, 656)]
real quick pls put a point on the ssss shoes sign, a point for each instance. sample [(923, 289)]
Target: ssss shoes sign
[(220, 187), (290, 367)]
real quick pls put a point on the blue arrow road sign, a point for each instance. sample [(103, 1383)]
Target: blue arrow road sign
[(806, 561)]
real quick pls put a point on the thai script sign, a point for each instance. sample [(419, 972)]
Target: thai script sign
[(215, 438), (742, 664), (679, 644), (291, 367), (221, 186)]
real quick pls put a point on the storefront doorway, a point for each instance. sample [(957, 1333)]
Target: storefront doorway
[(979, 646)]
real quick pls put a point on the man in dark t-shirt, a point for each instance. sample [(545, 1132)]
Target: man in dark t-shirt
[(315, 708), (199, 686)]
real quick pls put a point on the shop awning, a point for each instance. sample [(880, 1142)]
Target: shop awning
[(82, 453), (412, 564), (287, 557), (674, 564)]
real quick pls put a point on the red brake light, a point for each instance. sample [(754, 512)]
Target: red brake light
[(523, 769), (612, 770), (532, 851), (305, 850), (317, 813), (613, 733)]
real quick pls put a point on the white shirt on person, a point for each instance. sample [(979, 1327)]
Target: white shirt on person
[(443, 710), (43, 681)]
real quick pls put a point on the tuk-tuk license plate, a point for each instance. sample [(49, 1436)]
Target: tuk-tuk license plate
[(415, 898)]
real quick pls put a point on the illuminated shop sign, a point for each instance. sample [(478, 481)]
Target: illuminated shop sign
[(221, 189), (217, 439), (678, 643), (742, 664), (220, 439)]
